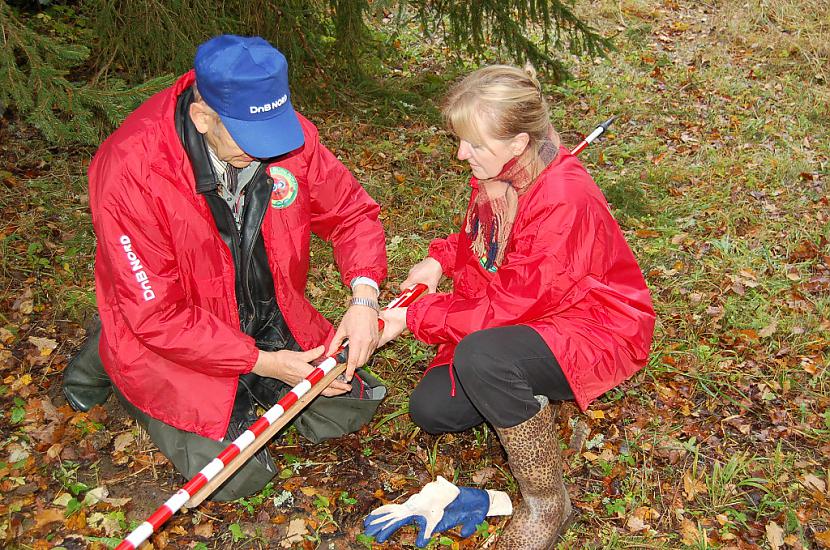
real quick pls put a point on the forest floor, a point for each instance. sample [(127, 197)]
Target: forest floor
[(717, 170)]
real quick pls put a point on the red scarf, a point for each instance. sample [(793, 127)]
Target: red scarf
[(490, 218)]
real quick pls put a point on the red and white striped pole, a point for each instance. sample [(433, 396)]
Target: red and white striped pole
[(175, 502), (598, 131)]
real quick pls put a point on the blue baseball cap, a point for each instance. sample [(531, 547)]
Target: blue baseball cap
[(245, 80)]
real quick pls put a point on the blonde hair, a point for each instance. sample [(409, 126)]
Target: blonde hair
[(505, 100)]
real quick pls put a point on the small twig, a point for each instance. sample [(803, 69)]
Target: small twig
[(203, 513), (128, 476)]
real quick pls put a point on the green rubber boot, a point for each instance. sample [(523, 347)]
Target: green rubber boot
[(85, 382)]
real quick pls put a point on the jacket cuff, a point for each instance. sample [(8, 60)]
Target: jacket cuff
[(254, 355), (365, 281), (377, 275), (428, 326), (438, 250)]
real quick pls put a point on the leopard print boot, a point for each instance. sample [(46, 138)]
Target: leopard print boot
[(535, 460)]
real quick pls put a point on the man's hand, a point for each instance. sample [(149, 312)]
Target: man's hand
[(293, 366), (428, 271), (360, 326), (394, 323)]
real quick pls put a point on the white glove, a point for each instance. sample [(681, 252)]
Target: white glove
[(439, 506)]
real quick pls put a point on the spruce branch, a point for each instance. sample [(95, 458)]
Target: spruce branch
[(34, 81), (508, 25)]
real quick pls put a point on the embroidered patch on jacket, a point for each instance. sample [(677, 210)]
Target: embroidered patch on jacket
[(284, 186)]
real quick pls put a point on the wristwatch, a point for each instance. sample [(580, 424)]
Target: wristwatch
[(368, 302)]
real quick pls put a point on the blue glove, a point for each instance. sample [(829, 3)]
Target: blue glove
[(468, 509), (439, 506)]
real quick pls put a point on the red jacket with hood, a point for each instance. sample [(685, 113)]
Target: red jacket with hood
[(568, 274), (171, 341)]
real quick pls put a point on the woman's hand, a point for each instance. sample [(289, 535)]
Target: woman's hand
[(293, 366), (394, 320), (428, 271)]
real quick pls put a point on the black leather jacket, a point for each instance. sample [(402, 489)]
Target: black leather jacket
[(259, 315)]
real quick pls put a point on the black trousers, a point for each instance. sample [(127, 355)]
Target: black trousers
[(497, 372)]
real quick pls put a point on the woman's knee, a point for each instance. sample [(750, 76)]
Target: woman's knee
[(478, 355), (469, 352), (434, 409), (419, 410), (425, 415)]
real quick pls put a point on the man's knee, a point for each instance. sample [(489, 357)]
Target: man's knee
[(249, 480), (190, 452)]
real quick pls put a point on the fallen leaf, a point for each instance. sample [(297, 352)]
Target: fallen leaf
[(579, 435), (204, 529), (26, 307), (47, 516), (635, 524), (62, 499), (775, 535), (814, 482), (692, 487), (123, 441), (44, 345), (117, 502), (483, 475), (768, 330), (17, 453), (688, 532), (646, 513), (296, 532), (106, 522), (96, 495), (160, 539), (21, 382), (823, 538)]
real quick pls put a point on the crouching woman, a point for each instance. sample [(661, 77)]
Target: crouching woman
[(547, 302)]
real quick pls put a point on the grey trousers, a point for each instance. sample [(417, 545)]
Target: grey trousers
[(190, 452), (323, 418)]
